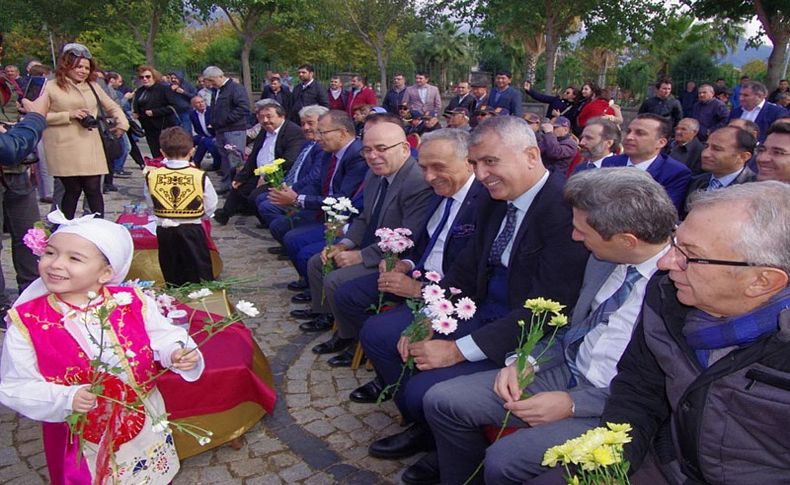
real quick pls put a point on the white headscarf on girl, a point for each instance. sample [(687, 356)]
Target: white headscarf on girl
[(112, 240)]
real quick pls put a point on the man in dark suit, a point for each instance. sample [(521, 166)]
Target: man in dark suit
[(463, 99), (625, 219), (308, 92), (276, 91), (686, 147), (599, 138), (339, 174), (754, 107), (773, 157), (395, 195), (522, 249), (204, 133), (298, 176), (645, 138), (724, 161), (279, 138), (443, 159), (505, 96)]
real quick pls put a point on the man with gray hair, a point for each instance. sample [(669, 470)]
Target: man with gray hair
[(230, 108), (708, 366), (686, 147), (521, 249), (450, 223), (754, 107), (625, 219)]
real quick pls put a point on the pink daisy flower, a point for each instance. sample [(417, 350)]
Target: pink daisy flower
[(465, 308), (445, 326), (433, 276), (432, 293)]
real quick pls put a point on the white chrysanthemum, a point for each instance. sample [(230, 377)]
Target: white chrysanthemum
[(433, 276), (92, 295), (329, 201), (247, 308), (203, 440), (432, 293), (199, 294)]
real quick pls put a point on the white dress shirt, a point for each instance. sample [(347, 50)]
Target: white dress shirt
[(752, 114), (266, 153), (202, 120), (436, 256), (602, 347), (469, 349), (641, 165)]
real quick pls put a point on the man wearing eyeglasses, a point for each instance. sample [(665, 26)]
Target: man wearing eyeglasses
[(709, 363), (626, 220), (395, 195)]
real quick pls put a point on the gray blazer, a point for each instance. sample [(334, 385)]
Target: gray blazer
[(404, 206), (588, 400)]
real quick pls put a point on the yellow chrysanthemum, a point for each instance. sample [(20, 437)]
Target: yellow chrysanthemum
[(543, 305), (278, 161), (552, 457), (625, 427), (603, 456), (558, 321)]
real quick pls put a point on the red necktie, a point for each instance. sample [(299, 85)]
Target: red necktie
[(329, 173)]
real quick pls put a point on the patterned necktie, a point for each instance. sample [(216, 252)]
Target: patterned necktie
[(292, 174), (327, 185), (575, 335), (435, 236), (714, 184), (501, 241)]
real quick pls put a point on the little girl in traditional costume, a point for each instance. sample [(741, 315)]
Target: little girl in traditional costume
[(58, 326)]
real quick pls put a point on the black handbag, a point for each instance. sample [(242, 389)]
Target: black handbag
[(113, 146)]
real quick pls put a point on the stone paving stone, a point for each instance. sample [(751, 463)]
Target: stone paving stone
[(295, 473)]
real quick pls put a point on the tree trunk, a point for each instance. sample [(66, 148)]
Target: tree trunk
[(552, 43), (604, 68), (381, 62), (776, 61), (151, 37), (530, 66), (246, 75)]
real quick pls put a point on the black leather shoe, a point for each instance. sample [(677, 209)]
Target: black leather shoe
[(298, 285), (402, 445), (275, 250), (304, 314), (221, 218), (333, 345), (341, 360), (320, 324), (369, 393), (109, 188), (303, 297), (424, 472)]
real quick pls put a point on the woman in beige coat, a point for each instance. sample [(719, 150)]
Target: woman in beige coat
[(74, 153)]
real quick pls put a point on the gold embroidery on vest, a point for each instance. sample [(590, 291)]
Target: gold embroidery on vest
[(176, 193)]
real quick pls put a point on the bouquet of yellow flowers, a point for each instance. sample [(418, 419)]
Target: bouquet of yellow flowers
[(273, 173), (597, 456)]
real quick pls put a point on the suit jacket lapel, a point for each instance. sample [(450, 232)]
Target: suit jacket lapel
[(594, 277)]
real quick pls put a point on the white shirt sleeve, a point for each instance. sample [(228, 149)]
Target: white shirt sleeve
[(24, 389), (209, 198), (166, 338)]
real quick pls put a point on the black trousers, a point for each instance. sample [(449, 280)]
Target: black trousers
[(242, 200), (184, 256)]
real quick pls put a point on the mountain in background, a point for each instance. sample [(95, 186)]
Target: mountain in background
[(742, 54)]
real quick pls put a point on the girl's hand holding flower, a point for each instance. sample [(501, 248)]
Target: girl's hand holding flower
[(83, 401), (183, 359)]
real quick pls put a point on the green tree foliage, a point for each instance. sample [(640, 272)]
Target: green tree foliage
[(756, 69), (693, 65), (446, 47), (774, 17)]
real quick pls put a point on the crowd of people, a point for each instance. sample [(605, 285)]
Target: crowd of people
[(666, 238)]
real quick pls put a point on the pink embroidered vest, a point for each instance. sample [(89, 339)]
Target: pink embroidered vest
[(60, 358)]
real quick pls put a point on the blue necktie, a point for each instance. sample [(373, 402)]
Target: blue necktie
[(290, 177), (435, 236), (714, 184), (575, 335), (501, 242)]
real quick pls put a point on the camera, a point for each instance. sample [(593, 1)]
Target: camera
[(90, 122)]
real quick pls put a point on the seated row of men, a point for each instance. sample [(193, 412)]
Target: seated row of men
[(487, 215)]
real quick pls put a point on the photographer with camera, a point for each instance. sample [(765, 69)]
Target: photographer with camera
[(73, 143)]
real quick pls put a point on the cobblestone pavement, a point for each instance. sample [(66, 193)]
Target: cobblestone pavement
[(315, 435)]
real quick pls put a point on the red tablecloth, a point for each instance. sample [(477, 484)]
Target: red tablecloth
[(228, 378), (143, 239)]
